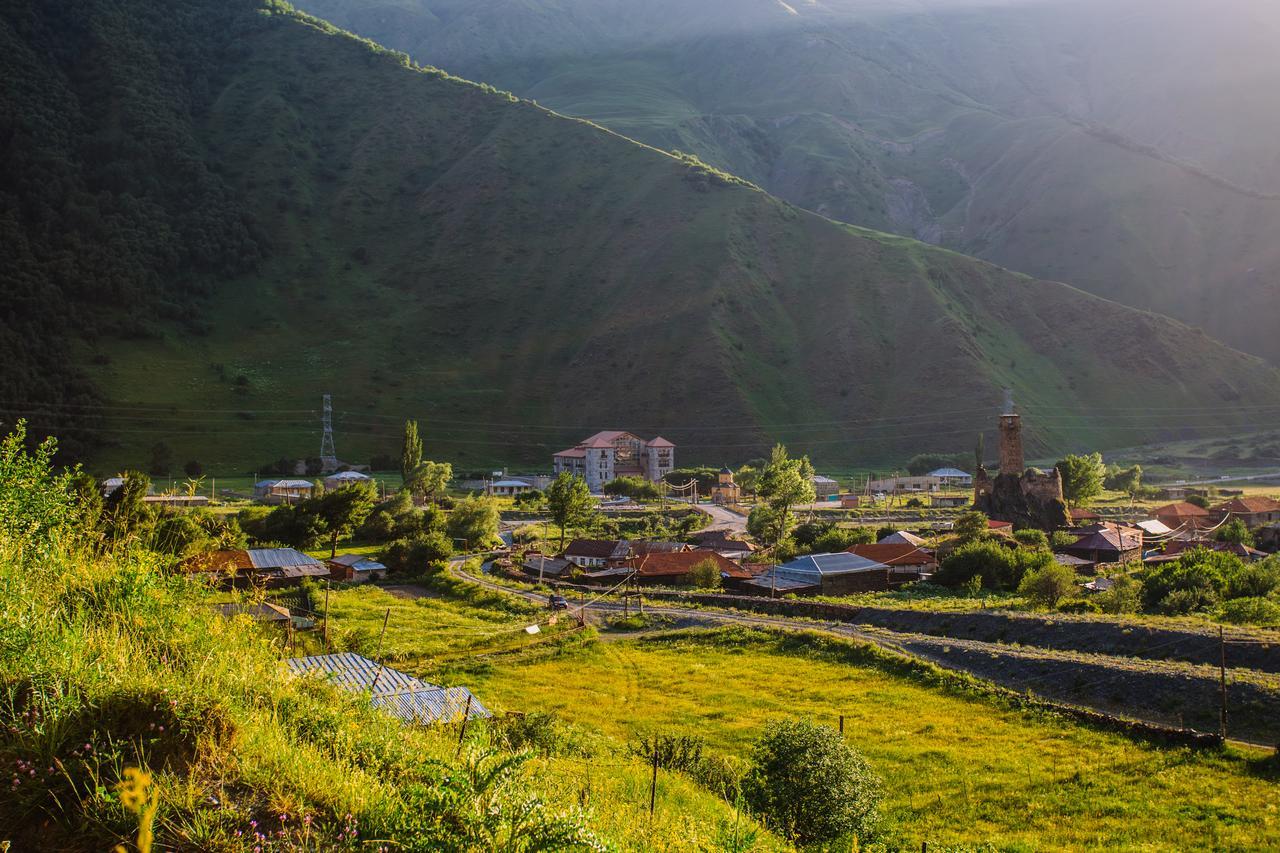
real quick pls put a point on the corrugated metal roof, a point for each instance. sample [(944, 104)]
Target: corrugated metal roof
[(399, 694), (830, 564), (276, 558)]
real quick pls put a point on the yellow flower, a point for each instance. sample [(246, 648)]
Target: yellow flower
[(133, 790)]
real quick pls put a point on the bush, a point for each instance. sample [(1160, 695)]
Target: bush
[(998, 567), (1125, 596), (416, 555), (1200, 573), (705, 575), (1032, 538), (1253, 610), (1255, 580), (840, 538), (809, 785), (1181, 602), (971, 526), (541, 733), (1049, 585), (1080, 605)]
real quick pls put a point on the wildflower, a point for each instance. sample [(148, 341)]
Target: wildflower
[(133, 790)]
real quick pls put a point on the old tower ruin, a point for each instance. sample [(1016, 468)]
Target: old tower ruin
[(1027, 497)]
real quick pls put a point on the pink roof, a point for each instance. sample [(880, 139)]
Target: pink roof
[(603, 439), (660, 442), (576, 452)]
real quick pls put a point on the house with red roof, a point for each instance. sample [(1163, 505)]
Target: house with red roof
[(611, 454), (1253, 511), (672, 568), (1184, 516), (902, 558)]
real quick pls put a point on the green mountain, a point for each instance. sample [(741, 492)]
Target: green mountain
[(1123, 146), (222, 210)]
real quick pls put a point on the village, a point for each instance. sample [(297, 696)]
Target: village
[(615, 512)]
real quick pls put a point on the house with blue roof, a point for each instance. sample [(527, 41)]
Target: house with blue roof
[(822, 574)]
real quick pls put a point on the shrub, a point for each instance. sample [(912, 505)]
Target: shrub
[(970, 526), (1125, 596), (1235, 531), (1199, 571), (1080, 605), (1252, 610), (998, 566), (705, 575), (417, 554), (1254, 580), (1198, 500), (1181, 602), (809, 785), (1049, 585), (1032, 538), (840, 538), (542, 733)]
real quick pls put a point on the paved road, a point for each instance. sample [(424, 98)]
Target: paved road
[(1213, 481), (724, 519)]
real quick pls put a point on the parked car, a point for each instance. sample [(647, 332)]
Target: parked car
[(557, 602)]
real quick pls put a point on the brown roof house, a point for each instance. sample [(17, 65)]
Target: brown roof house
[(669, 569), (1253, 511), (270, 567), (597, 553), (1184, 516), (1109, 545), (905, 562), (720, 542)]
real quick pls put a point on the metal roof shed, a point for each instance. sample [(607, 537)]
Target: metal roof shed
[(397, 693)]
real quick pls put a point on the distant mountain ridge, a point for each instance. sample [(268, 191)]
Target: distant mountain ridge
[(1122, 146), (418, 245)]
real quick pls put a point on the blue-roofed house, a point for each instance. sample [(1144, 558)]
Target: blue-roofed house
[(953, 478), (823, 574), (399, 694)]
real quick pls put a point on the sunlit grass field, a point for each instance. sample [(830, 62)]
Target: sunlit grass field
[(959, 767)]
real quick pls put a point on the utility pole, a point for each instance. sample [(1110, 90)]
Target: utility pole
[(326, 617), (328, 456), (1222, 681), (653, 782)]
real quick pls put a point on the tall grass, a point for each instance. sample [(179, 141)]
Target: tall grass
[(110, 665)]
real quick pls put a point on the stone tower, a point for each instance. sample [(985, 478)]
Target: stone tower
[(1011, 459)]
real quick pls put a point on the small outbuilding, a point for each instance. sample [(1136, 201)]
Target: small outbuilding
[(283, 491), (1109, 545), (270, 567), (408, 699), (356, 568), (823, 574)]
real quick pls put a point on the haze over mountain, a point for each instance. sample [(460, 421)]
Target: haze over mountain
[(1124, 146), (219, 211)]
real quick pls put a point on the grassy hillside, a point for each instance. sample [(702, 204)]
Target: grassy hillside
[(516, 279), (1115, 146), (111, 662)]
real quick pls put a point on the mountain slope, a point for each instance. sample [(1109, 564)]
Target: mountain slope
[(431, 248), (1119, 146)]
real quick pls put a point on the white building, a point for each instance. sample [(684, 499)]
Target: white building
[(345, 478), (611, 454), (953, 477), (507, 488)]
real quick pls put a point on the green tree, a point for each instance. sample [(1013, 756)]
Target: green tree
[(747, 477), (1049, 585), (784, 482), (161, 459), (810, 786), (1125, 596), (1081, 477), (1127, 480), (343, 510), (179, 535), (416, 554), (474, 520), (1255, 580), (971, 526), (410, 450), (705, 575), (636, 488), (126, 510), (1236, 532), (570, 503), (37, 509), (428, 480)]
